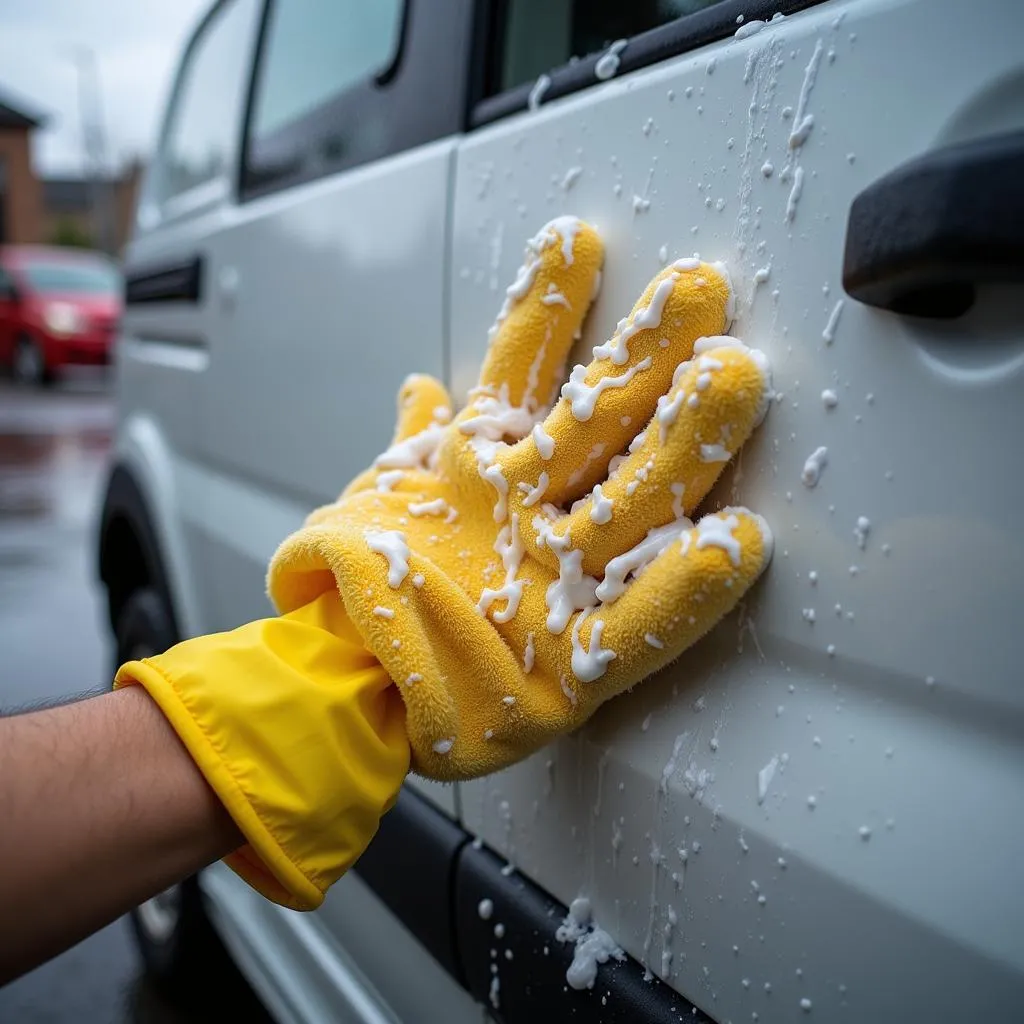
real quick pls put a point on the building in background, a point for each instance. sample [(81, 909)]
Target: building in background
[(69, 208), (57, 211), (20, 192)]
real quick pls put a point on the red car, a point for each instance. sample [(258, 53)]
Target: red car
[(57, 307)]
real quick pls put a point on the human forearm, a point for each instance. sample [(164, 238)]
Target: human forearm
[(100, 807)]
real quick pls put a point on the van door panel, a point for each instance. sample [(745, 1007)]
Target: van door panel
[(810, 794)]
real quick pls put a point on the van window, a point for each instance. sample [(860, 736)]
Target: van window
[(197, 153), (313, 107), (539, 35), (315, 49)]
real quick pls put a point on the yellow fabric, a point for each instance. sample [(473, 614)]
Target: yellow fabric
[(458, 509), (300, 732)]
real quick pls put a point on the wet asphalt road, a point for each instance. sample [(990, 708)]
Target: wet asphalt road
[(53, 643)]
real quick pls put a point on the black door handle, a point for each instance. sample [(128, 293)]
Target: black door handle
[(921, 238), (177, 281)]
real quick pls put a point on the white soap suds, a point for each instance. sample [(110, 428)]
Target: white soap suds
[(387, 480), (595, 453), (582, 397), (412, 678), (861, 531), (567, 690), (829, 333), (764, 779), (798, 136), (437, 507), (588, 665), (544, 441), (639, 557), (678, 490), (646, 319), (714, 453), (652, 641), (794, 193), (607, 65), (391, 544), (496, 476), (566, 227), (571, 177), (384, 613), (810, 77), (444, 746), (540, 87), (594, 946), (829, 398), (418, 580), (413, 452), (509, 546), (572, 591), (641, 204), (529, 654), (816, 462), (555, 298), (534, 494), (716, 531), (751, 28), (485, 908), (601, 508)]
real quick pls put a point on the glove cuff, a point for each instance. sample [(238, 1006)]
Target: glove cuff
[(299, 732)]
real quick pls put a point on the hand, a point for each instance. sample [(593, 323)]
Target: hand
[(513, 570)]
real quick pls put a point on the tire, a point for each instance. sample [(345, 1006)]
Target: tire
[(29, 363), (181, 952)]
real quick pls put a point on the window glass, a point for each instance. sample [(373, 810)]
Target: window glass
[(200, 139), (92, 277), (314, 50), (543, 34)]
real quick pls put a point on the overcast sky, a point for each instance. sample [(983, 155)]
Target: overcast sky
[(137, 44)]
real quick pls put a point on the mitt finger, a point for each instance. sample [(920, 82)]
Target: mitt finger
[(542, 313), (716, 401), (422, 401), (423, 410), (603, 404), (688, 588)]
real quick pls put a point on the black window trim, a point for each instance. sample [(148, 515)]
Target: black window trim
[(685, 33), (417, 115)]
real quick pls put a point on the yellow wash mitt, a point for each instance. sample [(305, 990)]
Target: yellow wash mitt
[(512, 567)]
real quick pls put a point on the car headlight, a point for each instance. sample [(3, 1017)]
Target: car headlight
[(63, 318)]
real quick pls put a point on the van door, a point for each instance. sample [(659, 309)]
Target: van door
[(817, 808), (163, 353), (328, 277)]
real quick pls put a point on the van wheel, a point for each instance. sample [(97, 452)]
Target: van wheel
[(180, 950), (29, 364)]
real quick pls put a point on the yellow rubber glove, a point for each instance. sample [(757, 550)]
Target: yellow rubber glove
[(299, 731), (513, 571)]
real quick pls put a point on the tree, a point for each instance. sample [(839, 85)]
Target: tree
[(70, 231)]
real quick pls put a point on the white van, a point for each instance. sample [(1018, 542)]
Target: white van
[(820, 809)]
